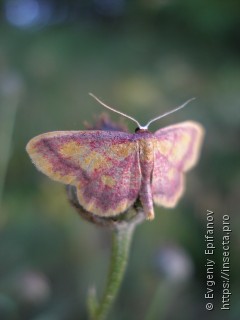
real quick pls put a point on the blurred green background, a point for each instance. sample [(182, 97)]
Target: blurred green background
[(144, 57)]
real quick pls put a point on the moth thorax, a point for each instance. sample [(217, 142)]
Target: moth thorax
[(146, 148)]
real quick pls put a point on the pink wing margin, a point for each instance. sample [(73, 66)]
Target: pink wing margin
[(177, 149)]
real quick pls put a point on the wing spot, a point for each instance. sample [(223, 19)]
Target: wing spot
[(164, 147), (121, 151), (108, 181)]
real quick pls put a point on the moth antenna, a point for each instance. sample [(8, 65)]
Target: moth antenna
[(110, 108), (169, 112)]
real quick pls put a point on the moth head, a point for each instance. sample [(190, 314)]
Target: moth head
[(141, 130)]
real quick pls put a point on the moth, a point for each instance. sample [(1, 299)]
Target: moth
[(112, 169)]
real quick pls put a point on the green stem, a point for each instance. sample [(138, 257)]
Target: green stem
[(11, 89), (121, 240)]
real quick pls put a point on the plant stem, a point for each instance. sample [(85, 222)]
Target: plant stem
[(121, 240), (10, 90)]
